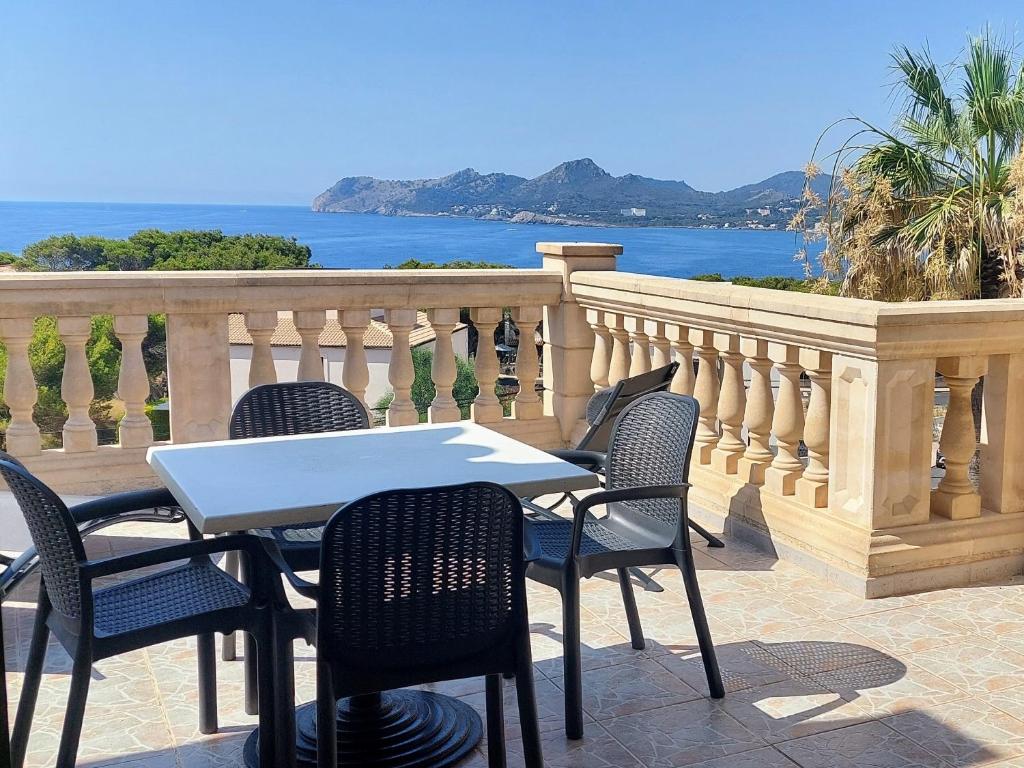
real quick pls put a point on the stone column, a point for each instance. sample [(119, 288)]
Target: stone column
[(706, 391), (76, 388), (568, 339), (528, 404), (20, 391), (486, 406), (602, 359), (757, 417), (310, 324), (955, 497), (355, 373), (812, 486), (640, 362), (443, 372), (788, 422), (198, 377), (1002, 439), (731, 405), (135, 429), (655, 330), (401, 373), (679, 339), (620, 364), (261, 327)]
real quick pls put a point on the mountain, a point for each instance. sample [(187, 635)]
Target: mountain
[(575, 192)]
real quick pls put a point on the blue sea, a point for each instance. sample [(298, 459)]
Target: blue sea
[(366, 241)]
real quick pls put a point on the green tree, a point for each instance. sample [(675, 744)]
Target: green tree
[(933, 208), (464, 390)]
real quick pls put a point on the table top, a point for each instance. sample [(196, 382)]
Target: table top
[(233, 485)]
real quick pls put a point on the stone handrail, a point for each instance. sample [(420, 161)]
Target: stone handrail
[(817, 415)]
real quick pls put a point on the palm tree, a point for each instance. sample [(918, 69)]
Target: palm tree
[(933, 208)]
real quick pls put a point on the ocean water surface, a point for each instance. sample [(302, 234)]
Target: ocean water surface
[(367, 241)]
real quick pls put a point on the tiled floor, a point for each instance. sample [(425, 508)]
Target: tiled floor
[(815, 678)]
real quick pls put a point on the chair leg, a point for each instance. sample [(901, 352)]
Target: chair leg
[(252, 703), (269, 749), (495, 723), (571, 657), (30, 687), (527, 699), (72, 730), (228, 648), (636, 632), (206, 653), (700, 624), (326, 722), (712, 540), (284, 700)]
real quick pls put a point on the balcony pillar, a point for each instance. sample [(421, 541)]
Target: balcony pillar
[(618, 368), (812, 486), (757, 417), (76, 389), (602, 359), (568, 338), (135, 429), (528, 404), (486, 407), (261, 327), (443, 371), (659, 342), (310, 324), (1002, 439), (880, 441), (787, 423), (198, 377), (731, 405), (401, 374), (640, 362), (355, 373), (20, 390), (679, 340), (955, 497), (706, 391)]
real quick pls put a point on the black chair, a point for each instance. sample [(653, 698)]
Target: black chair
[(290, 408), (5, 732), (418, 586), (93, 623), (645, 525)]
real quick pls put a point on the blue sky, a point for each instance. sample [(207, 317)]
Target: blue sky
[(271, 102)]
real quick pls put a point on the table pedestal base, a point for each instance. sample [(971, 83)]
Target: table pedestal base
[(394, 729)]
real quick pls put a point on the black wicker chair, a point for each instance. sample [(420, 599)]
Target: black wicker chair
[(646, 524), (418, 586), (5, 732), (94, 623)]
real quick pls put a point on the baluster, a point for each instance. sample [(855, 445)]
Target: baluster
[(679, 339), (76, 384), (706, 391), (261, 327), (486, 406), (726, 455), (20, 388), (601, 362), (401, 373), (443, 371), (788, 422), (618, 368), (135, 429), (655, 330), (956, 497), (528, 404), (812, 487), (310, 324), (640, 362), (757, 417), (355, 373)]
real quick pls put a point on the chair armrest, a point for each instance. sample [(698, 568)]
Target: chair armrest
[(247, 543), (121, 503), (299, 584), (581, 510), (593, 460)]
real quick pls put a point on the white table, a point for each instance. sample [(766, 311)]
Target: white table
[(233, 485)]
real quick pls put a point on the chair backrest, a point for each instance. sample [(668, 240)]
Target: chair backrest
[(606, 404), (651, 444), (54, 534), (296, 408), (413, 580)]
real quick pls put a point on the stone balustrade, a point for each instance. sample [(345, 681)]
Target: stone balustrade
[(816, 431)]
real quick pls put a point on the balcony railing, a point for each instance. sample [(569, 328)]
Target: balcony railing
[(817, 412)]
